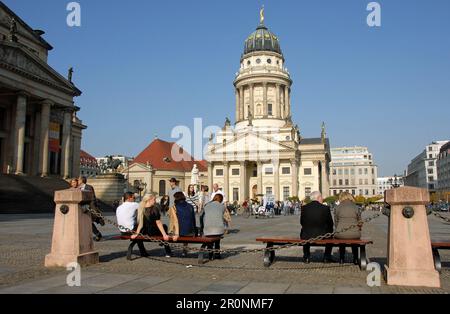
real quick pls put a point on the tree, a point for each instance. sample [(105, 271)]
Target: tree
[(330, 200), (360, 200)]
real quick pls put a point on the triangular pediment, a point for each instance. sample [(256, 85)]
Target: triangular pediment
[(137, 167), (16, 58), (250, 142)]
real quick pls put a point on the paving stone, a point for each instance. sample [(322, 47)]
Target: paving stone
[(179, 286), (264, 288), (309, 289), (135, 286)]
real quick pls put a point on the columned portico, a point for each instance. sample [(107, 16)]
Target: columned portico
[(43, 148), (243, 194), (260, 177), (276, 172), (21, 110), (226, 177), (294, 167)]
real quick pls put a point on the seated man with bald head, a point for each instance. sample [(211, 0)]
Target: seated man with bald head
[(316, 220)]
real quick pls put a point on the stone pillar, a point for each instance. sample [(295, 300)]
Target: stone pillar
[(286, 101), (294, 167), (244, 183), (260, 178), (65, 149), (276, 169), (43, 149), (265, 110), (72, 231), (210, 176), (21, 110), (242, 104), (277, 100), (252, 101), (238, 105), (410, 258), (226, 179), (325, 179)]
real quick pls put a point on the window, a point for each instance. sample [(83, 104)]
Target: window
[(340, 182), (430, 149), (269, 109), (431, 163), (346, 182), (269, 61), (430, 171), (286, 192), (162, 187), (340, 172), (366, 171), (373, 182), (334, 182), (353, 192), (269, 190), (235, 194), (366, 192), (334, 192), (430, 156), (248, 62), (373, 192), (346, 172), (352, 172), (431, 186), (431, 178), (308, 171), (219, 172), (269, 170), (360, 192), (286, 170), (234, 172), (373, 171), (258, 61), (307, 192), (359, 171), (334, 172)]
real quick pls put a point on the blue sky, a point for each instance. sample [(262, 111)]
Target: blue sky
[(147, 66)]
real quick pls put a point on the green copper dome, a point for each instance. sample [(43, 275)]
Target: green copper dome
[(262, 40)]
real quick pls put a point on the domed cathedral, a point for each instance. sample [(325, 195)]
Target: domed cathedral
[(264, 152)]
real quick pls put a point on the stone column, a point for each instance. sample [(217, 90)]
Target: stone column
[(276, 169), (242, 104), (43, 149), (210, 176), (277, 100), (294, 167), (243, 184), (260, 178), (325, 179), (238, 105), (286, 101), (265, 111), (65, 149), (226, 180), (252, 101), (21, 110)]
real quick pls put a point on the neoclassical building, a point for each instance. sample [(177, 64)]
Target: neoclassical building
[(39, 131), (264, 152)]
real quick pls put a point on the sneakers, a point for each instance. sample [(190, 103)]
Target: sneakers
[(168, 256)]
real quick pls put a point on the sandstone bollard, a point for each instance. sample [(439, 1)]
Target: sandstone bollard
[(72, 231), (410, 259)]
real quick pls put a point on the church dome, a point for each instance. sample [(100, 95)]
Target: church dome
[(262, 40)]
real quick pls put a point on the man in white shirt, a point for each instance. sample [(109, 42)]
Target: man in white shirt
[(217, 191), (127, 218), (127, 213)]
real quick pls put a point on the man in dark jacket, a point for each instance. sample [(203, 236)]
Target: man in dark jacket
[(316, 220)]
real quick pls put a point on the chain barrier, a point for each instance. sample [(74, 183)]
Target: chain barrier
[(236, 251), (441, 217)]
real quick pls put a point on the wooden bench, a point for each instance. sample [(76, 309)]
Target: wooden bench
[(183, 240), (437, 245), (269, 254)]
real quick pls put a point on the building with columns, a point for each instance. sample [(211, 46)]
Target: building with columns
[(40, 133), (264, 152)]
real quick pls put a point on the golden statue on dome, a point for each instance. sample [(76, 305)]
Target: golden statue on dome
[(261, 15)]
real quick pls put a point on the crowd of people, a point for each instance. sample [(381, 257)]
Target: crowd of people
[(204, 213)]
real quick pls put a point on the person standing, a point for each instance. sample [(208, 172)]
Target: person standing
[(204, 199), (216, 190), (94, 206), (316, 220), (193, 199), (174, 188), (214, 227)]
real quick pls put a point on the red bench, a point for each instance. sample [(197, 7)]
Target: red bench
[(269, 254), (189, 240)]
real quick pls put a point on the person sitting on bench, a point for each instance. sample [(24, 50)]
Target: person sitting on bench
[(182, 219), (126, 219), (149, 221), (316, 220), (214, 212), (347, 214)]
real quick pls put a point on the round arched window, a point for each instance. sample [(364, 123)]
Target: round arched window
[(248, 62), (269, 61), (258, 61)]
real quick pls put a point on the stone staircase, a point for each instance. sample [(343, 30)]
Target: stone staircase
[(24, 194)]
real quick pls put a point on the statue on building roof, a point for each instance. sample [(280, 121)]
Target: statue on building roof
[(70, 74), (13, 30), (261, 16), (324, 134), (227, 122)]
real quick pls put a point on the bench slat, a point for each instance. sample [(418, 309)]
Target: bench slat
[(321, 242)]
